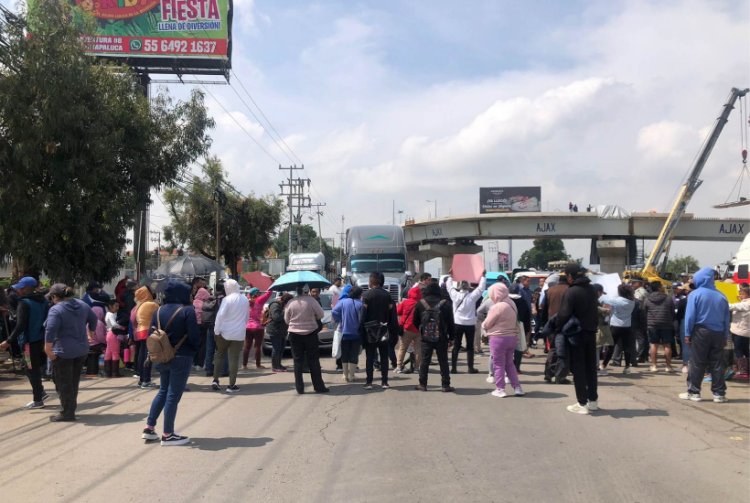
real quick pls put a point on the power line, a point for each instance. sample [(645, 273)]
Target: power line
[(240, 125), (268, 121)]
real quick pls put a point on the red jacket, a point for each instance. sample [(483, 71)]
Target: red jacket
[(405, 310)]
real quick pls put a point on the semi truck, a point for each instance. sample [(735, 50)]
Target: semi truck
[(377, 248)]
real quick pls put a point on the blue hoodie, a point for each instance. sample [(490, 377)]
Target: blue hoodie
[(348, 312), (66, 326), (706, 306), (176, 295)]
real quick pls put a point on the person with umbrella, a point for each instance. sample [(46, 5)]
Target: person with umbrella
[(302, 314)]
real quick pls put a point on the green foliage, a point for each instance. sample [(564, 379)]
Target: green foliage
[(308, 243), (545, 250), (247, 224), (680, 265), (80, 148)]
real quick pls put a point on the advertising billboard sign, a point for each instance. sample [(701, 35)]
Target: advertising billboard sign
[(161, 36), (510, 199)]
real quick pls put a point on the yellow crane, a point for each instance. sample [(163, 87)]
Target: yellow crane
[(654, 266)]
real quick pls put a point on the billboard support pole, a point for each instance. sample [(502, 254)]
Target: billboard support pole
[(140, 230)]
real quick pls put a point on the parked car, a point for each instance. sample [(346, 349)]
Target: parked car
[(325, 336)]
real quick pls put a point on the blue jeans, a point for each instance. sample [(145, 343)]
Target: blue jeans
[(685, 348), (174, 376)]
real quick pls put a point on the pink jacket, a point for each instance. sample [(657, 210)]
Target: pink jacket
[(100, 334), (256, 311), (201, 295), (502, 319)]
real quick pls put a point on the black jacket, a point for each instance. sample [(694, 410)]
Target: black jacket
[(581, 301), (276, 326), (446, 315), (659, 310), (177, 295)]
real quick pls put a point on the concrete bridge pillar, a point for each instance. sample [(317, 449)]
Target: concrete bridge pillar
[(613, 255)]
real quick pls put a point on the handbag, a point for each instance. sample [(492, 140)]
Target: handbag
[(376, 332), (336, 347)]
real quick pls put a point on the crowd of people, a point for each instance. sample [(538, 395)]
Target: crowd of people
[(584, 330)]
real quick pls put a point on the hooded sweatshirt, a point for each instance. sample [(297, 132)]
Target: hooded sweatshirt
[(658, 309), (200, 296), (145, 309), (256, 311), (66, 327), (100, 333), (465, 302), (231, 319), (706, 306), (177, 295), (502, 318), (348, 312), (405, 310)]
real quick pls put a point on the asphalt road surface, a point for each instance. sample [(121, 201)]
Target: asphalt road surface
[(269, 444)]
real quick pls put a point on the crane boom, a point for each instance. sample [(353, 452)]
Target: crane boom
[(689, 187)]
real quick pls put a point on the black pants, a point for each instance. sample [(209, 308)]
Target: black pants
[(623, 337), (583, 366), (200, 356), (67, 378), (92, 361), (441, 348), (305, 349), (458, 334), (143, 364), (372, 351), (350, 351), (707, 353), (38, 363), (642, 346)]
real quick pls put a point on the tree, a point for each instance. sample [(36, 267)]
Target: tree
[(545, 250), (681, 265), (247, 224), (308, 241), (80, 148)]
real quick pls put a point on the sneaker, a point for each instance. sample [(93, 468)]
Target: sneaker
[(34, 405), (519, 391), (490, 379), (149, 434), (602, 372), (232, 389), (684, 369), (399, 370), (448, 389), (368, 386), (668, 369), (197, 368), (215, 386), (720, 399), (652, 368), (500, 393), (385, 385), (695, 397), (146, 385), (472, 370), (419, 387), (593, 405), (626, 370), (280, 370), (174, 439), (577, 408)]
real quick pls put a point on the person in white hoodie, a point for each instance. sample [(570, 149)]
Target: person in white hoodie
[(229, 333), (465, 316)]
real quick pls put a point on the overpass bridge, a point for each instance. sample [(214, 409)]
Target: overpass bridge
[(613, 240)]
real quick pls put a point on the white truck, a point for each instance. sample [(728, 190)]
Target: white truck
[(377, 248), (315, 262)]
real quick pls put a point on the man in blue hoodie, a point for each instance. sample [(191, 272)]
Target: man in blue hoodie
[(706, 332), (177, 318)]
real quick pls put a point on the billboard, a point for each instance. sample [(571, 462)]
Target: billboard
[(510, 199), (161, 36)]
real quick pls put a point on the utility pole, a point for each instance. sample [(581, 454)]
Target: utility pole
[(140, 229), (342, 237), (158, 245), (220, 200), (294, 190), (320, 214)]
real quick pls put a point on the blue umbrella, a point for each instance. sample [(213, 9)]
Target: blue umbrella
[(291, 280)]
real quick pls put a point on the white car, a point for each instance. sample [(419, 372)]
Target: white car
[(325, 336)]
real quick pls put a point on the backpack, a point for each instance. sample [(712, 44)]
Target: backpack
[(430, 323), (265, 319), (159, 346), (208, 310)]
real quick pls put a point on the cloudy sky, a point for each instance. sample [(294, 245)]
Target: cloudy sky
[(600, 102)]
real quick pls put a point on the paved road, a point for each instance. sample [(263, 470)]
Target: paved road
[(268, 444)]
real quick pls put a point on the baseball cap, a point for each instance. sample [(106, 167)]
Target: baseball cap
[(25, 282), (254, 291)]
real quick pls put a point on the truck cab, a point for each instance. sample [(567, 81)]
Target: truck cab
[(377, 248)]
